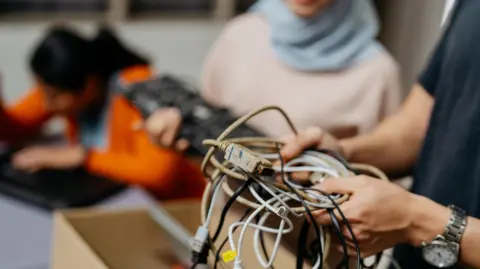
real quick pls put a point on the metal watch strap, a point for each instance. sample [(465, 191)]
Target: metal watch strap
[(456, 225)]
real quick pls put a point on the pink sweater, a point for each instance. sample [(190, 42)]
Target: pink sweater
[(242, 73)]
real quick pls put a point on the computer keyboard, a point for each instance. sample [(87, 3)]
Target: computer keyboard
[(20, 177), (200, 120), (55, 189)]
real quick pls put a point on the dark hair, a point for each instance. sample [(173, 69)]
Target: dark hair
[(64, 59)]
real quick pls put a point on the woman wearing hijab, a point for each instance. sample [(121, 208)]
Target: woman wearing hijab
[(317, 59)]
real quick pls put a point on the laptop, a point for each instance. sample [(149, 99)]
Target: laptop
[(54, 189)]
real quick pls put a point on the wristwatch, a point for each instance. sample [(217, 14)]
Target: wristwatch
[(443, 251)]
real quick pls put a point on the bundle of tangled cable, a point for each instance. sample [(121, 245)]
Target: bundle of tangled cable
[(256, 165)]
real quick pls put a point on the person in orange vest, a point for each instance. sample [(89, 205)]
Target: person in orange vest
[(80, 80)]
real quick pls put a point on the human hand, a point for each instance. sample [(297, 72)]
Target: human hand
[(381, 214), (312, 137), (308, 138), (36, 158), (163, 127)]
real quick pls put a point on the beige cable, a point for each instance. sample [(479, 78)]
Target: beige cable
[(258, 146), (268, 145)]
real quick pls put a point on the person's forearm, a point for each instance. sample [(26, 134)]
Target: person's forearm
[(386, 148), (394, 145), (430, 220), (470, 244)]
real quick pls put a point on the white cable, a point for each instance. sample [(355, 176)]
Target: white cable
[(308, 162), (249, 154), (250, 219), (393, 261), (317, 263), (328, 166), (293, 169), (262, 201), (247, 223), (216, 191), (233, 225), (275, 196), (255, 226), (314, 162), (312, 169), (325, 205), (276, 246), (320, 160), (321, 197)]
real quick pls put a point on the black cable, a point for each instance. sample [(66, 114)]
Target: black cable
[(261, 191), (347, 224), (313, 247), (307, 209), (346, 164), (227, 206), (217, 255), (202, 257), (340, 236), (378, 258), (302, 242)]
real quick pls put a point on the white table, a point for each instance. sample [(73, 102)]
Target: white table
[(26, 231)]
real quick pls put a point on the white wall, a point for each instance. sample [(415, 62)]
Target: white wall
[(173, 46), (448, 8), (410, 30)]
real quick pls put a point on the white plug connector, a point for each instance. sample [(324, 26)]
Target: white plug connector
[(246, 160), (282, 212), (238, 264), (242, 158), (199, 240)]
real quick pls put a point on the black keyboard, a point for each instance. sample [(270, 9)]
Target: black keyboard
[(21, 177), (54, 189), (200, 120)]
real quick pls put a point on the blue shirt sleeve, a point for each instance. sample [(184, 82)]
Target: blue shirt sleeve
[(431, 75), (429, 78)]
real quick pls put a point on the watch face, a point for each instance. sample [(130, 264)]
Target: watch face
[(440, 255)]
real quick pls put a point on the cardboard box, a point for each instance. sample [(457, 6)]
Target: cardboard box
[(126, 239), (131, 239)]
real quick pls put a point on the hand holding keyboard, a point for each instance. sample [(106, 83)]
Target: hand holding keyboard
[(200, 120)]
